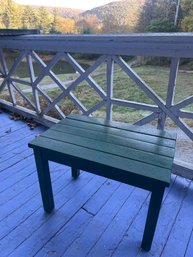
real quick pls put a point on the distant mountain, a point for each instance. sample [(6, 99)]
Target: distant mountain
[(118, 8), (64, 12), (67, 12)]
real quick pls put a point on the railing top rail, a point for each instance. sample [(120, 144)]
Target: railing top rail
[(18, 32), (148, 44), (140, 37)]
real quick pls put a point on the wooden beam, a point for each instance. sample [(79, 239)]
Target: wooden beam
[(18, 32), (170, 91), (26, 113), (109, 74), (59, 83), (183, 169), (149, 44)]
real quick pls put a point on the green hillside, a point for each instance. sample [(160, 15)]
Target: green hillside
[(64, 12), (67, 12), (122, 14)]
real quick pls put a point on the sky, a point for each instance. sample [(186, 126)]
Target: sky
[(77, 4)]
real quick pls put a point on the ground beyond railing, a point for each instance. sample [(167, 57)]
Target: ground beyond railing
[(110, 51)]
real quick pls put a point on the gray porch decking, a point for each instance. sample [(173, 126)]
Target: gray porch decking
[(93, 216)]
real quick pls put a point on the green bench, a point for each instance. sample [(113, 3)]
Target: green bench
[(125, 153)]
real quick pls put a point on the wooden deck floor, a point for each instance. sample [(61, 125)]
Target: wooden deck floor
[(94, 217)]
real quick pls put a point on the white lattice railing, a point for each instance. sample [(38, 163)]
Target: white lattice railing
[(109, 50)]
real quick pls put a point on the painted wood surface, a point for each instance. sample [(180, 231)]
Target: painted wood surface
[(93, 149), (78, 227), (163, 44), (18, 32)]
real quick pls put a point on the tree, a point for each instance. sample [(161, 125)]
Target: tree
[(115, 24), (56, 15), (122, 17), (187, 15), (2, 10), (65, 25), (187, 22), (186, 7), (88, 24), (45, 20), (60, 24), (157, 9), (29, 18), (10, 14), (161, 25)]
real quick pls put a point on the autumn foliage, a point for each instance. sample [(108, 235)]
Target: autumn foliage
[(117, 17)]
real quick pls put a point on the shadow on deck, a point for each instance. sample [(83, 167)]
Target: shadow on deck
[(94, 216)]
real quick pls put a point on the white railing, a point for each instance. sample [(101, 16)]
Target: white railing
[(110, 50)]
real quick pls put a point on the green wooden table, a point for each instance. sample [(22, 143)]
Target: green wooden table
[(125, 153)]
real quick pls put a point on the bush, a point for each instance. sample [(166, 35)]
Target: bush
[(161, 25)]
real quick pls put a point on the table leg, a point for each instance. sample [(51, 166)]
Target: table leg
[(75, 173), (152, 217), (44, 180)]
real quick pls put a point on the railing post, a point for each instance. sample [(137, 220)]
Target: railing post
[(172, 81), (170, 91), (4, 73), (32, 79), (110, 69)]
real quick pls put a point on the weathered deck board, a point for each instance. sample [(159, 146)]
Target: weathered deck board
[(170, 209), (93, 217), (190, 247), (9, 127), (45, 227), (183, 230), (24, 136), (111, 237)]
